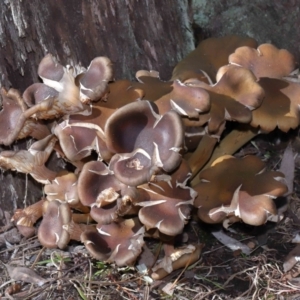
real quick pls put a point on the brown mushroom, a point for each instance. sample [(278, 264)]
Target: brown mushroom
[(94, 82), (144, 141), (58, 95), (278, 109), (166, 205), (152, 86), (233, 186), (120, 242), (265, 61), (57, 227), (31, 161), (13, 124), (25, 218), (211, 54), (187, 101), (99, 189)]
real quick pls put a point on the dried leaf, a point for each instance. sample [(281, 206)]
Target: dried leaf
[(287, 167), (231, 243), (24, 274)]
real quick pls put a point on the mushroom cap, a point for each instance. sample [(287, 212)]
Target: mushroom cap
[(167, 204), (31, 161), (51, 233), (99, 189), (78, 139), (232, 98), (25, 218), (13, 123), (145, 141), (97, 185), (252, 210), (94, 82), (265, 61), (116, 242), (187, 101), (108, 198), (280, 107), (220, 181), (63, 188), (150, 84), (38, 92), (50, 70), (209, 56)]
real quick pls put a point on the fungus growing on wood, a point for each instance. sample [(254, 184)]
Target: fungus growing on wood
[(128, 151)]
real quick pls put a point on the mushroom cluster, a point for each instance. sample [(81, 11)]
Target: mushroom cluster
[(146, 154)]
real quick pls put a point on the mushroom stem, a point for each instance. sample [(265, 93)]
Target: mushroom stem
[(82, 218), (202, 154), (230, 144), (75, 230), (182, 261)]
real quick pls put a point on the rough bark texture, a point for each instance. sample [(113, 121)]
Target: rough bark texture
[(133, 34), (268, 21), (145, 34)]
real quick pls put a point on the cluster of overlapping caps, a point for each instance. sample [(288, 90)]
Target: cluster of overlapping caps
[(161, 152)]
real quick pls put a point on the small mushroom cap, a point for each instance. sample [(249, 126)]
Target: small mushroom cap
[(63, 188), (94, 82), (187, 101), (221, 180), (265, 61), (38, 92), (209, 56), (50, 70), (25, 218), (51, 233), (116, 242)]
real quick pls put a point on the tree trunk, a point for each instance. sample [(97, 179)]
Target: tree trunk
[(150, 34)]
